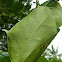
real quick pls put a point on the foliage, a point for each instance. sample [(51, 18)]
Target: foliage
[(37, 28), (4, 56), (28, 39), (27, 36), (5, 59), (11, 12), (52, 54), (43, 59)]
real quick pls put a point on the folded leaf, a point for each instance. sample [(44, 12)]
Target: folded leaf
[(29, 35)]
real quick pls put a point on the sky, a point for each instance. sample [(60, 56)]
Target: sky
[(57, 41)]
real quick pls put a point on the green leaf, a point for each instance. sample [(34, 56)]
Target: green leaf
[(42, 59), (0, 4), (5, 59), (50, 4), (29, 35), (56, 60)]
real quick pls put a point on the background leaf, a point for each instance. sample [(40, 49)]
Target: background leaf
[(5, 59)]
